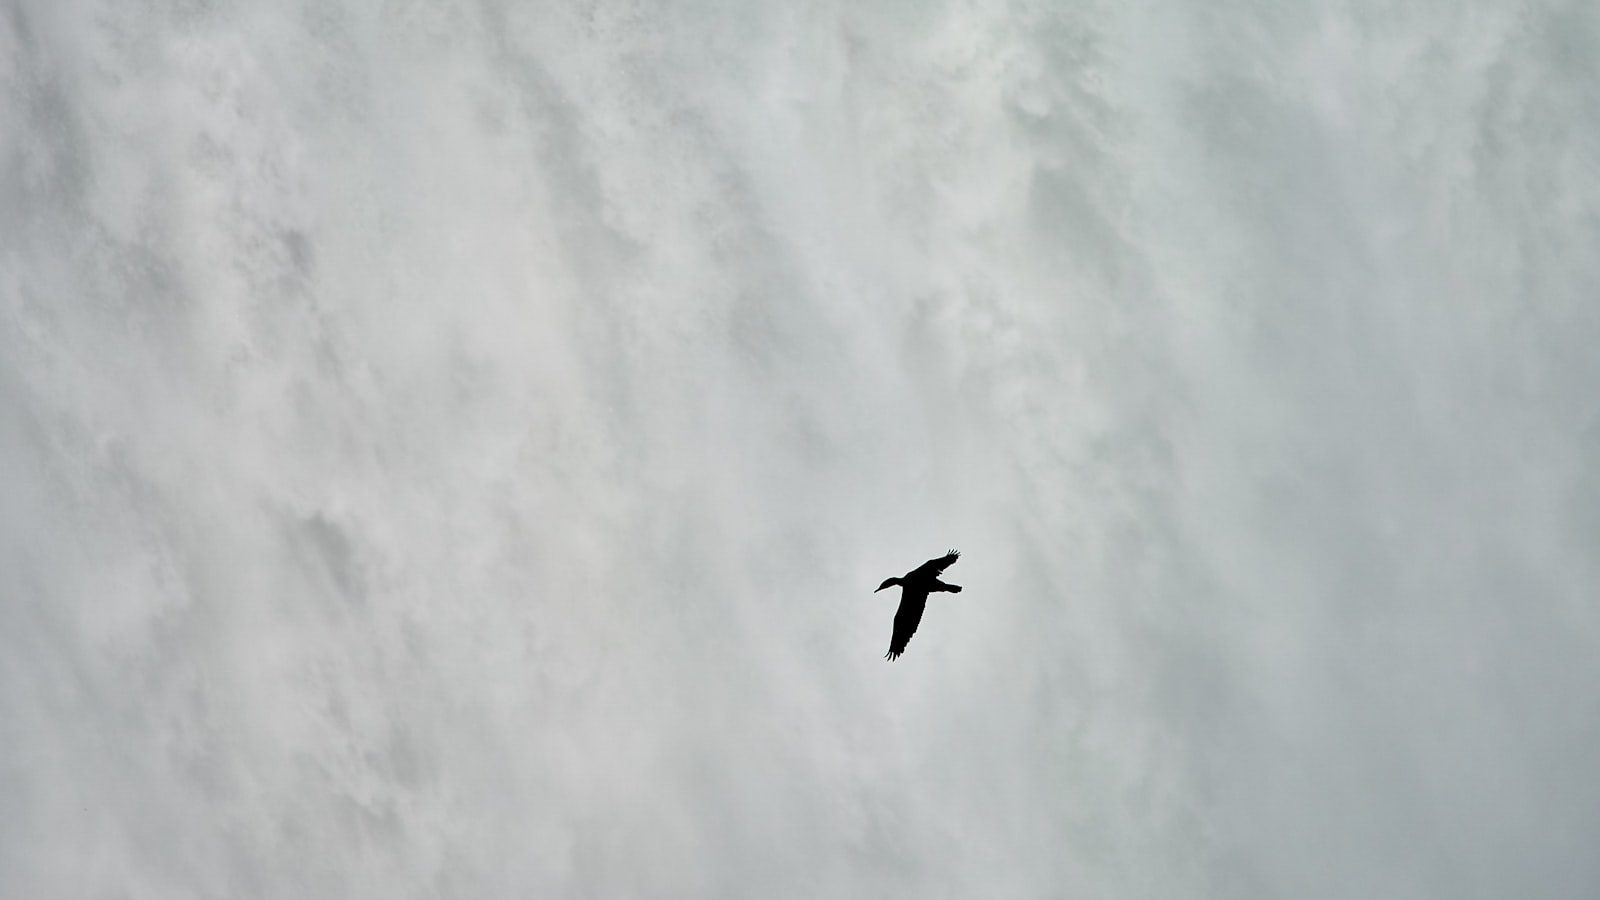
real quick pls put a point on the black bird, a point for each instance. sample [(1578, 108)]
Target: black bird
[(915, 586)]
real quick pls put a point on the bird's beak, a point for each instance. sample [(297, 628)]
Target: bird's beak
[(877, 589)]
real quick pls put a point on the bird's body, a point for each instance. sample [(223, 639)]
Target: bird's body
[(915, 586)]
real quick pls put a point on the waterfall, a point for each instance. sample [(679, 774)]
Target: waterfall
[(447, 449)]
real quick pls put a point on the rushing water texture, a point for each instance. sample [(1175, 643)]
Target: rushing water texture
[(447, 449)]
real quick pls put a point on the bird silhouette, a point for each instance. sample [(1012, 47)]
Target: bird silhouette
[(915, 586)]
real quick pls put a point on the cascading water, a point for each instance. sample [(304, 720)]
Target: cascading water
[(447, 449)]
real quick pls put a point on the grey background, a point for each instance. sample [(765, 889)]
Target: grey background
[(448, 449)]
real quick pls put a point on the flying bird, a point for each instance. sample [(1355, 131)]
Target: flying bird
[(915, 586)]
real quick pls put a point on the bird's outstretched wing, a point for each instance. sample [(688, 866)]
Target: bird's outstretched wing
[(933, 567), (906, 619)]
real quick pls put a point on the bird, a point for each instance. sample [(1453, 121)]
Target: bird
[(915, 586)]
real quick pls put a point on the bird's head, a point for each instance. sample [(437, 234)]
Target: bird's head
[(888, 582)]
